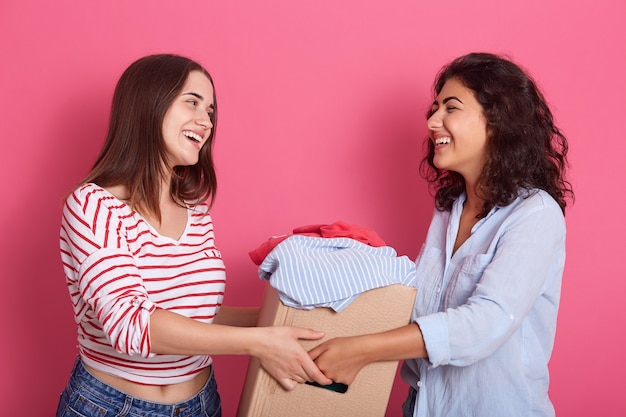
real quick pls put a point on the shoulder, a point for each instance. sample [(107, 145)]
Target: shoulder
[(200, 214), (91, 200), (537, 207), (199, 209), (537, 200), (85, 193)]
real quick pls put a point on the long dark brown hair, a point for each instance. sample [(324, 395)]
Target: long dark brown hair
[(134, 151), (525, 149)]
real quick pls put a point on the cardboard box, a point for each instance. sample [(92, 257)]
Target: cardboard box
[(373, 311)]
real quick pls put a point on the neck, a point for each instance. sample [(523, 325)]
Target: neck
[(165, 198), (473, 200)]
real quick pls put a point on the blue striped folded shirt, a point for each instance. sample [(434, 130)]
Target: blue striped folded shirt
[(311, 272)]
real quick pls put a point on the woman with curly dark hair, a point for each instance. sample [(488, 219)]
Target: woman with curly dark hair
[(489, 274)]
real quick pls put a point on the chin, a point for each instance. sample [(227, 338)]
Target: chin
[(439, 165), (189, 161)]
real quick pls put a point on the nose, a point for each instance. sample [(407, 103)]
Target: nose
[(205, 122), (434, 121)]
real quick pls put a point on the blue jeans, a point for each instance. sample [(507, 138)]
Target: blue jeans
[(87, 396)]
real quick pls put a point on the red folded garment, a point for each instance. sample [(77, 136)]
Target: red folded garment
[(333, 230)]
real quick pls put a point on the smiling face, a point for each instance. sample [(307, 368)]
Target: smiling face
[(188, 121), (458, 130)]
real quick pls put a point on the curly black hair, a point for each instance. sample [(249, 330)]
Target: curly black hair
[(525, 149)]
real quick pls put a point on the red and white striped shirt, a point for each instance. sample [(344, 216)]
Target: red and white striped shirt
[(119, 270)]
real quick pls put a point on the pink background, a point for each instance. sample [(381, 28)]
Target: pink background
[(321, 118)]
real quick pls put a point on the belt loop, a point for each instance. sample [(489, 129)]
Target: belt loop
[(202, 398), (128, 403)]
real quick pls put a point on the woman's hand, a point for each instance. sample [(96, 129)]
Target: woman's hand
[(341, 359), (282, 356), (276, 347)]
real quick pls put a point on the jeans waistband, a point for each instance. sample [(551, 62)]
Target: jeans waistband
[(133, 406)]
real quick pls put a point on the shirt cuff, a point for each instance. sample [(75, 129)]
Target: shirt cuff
[(435, 333)]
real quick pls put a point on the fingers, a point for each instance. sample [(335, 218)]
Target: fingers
[(288, 383), (286, 360), (309, 334), (298, 379), (316, 351), (312, 371), (309, 371), (316, 375)]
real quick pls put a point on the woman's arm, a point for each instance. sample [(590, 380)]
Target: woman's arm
[(276, 347), (342, 358), (237, 316), (105, 279)]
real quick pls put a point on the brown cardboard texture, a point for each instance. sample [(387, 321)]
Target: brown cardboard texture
[(373, 311)]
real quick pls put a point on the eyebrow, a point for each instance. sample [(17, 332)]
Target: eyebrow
[(445, 100), (199, 97)]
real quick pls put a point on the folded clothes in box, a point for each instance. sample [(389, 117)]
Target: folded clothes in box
[(373, 311)]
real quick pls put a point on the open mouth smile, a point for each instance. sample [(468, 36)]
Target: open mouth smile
[(442, 141), (193, 136)]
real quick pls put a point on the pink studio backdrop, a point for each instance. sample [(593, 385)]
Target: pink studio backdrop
[(321, 119)]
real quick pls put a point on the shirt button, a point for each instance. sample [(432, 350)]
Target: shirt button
[(419, 384), (438, 290)]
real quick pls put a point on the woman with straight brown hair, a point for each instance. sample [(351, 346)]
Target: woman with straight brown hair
[(145, 278)]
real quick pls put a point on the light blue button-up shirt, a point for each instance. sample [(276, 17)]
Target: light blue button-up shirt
[(488, 312)]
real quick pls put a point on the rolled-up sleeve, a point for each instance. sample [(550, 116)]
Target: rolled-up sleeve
[(110, 284), (105, 285)]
